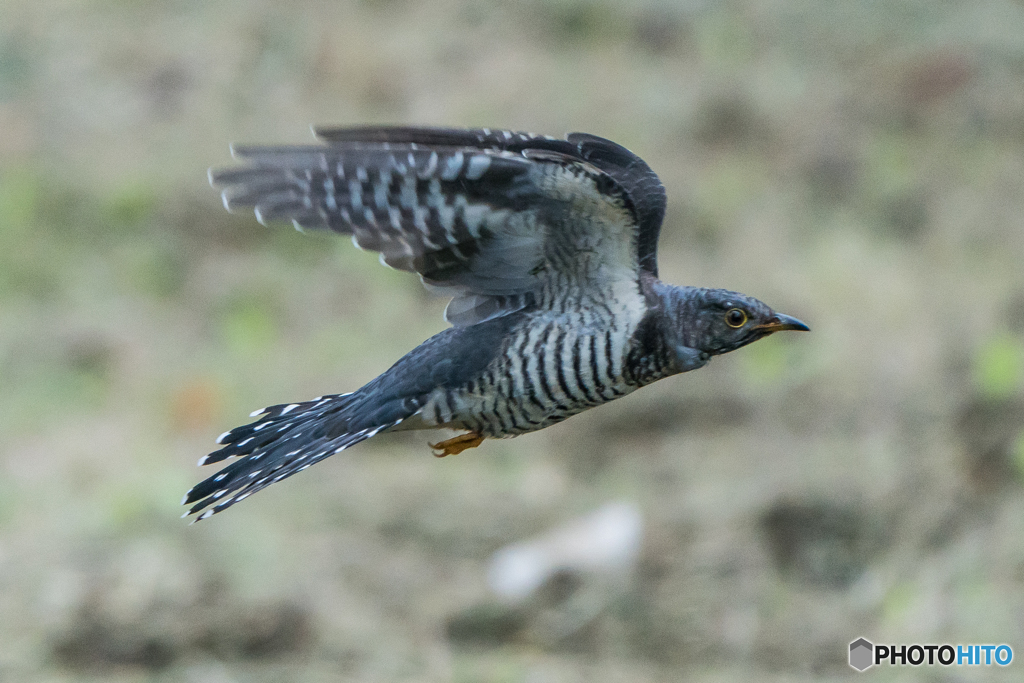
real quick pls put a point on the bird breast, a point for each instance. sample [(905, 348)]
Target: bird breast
[(551, 366)]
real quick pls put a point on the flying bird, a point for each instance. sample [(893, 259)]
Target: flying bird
[(548, 250)]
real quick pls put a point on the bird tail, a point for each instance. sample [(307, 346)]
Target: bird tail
[(286, 439)]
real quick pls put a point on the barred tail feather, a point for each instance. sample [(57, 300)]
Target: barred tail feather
[(273, 421), (286, 439)]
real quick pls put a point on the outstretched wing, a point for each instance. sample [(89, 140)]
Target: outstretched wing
[(641, 184), (496, 219)]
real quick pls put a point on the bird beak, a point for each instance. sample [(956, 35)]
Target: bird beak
[(780, 322)]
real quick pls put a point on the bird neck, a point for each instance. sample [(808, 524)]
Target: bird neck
[(682, 308), (652, 354)]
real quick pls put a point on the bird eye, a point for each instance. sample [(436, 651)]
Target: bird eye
[(735, 318)]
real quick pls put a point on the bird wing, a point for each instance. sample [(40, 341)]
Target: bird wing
[(498, 220)]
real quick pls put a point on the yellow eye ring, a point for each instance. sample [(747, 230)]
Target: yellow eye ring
[(735, 318)]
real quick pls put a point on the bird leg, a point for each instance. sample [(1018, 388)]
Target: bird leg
[(457, 444)]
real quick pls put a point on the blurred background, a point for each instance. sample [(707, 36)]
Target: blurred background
[(859, 165)]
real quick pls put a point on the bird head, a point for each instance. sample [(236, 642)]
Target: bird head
[(717, 321)]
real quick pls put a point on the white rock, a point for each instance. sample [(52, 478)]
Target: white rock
[(606, 541)]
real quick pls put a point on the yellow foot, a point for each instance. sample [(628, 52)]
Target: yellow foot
[(458, 444)]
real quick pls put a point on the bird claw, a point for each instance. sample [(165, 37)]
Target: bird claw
[(456, 445)]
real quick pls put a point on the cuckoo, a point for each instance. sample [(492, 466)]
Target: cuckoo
[(548, 250)]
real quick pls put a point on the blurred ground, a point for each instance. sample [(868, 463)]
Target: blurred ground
[(857, 164)]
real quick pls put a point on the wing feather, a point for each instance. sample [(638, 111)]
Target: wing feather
[(493, 218)]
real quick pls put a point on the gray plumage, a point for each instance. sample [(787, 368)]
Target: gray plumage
[(548, 250)]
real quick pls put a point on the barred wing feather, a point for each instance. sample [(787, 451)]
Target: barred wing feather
[(496, 219)]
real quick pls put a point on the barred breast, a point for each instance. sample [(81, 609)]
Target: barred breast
[(551, 367)]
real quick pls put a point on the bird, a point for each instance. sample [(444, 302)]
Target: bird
[(547, 248)]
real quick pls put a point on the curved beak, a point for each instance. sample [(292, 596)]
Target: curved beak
[(780, 322)]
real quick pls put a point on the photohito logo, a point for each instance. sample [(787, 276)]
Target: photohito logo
[(865, 654)]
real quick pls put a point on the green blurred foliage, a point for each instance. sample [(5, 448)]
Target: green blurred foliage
[(768, 362), (26, 258), (999, 366), (127, 211), (248, 326)]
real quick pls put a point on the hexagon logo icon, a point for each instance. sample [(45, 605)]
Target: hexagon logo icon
[(861, 654)]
